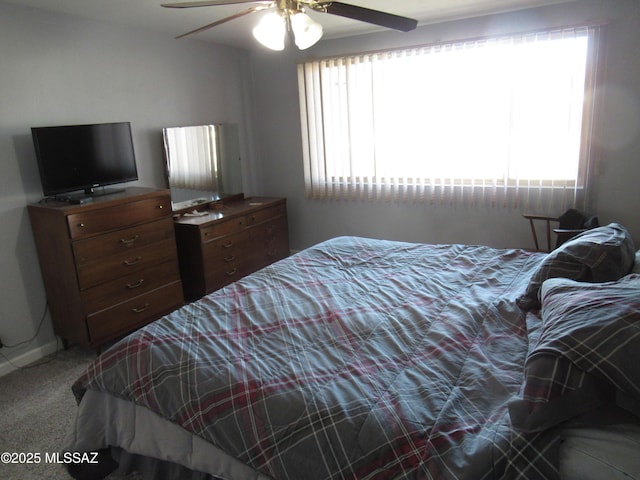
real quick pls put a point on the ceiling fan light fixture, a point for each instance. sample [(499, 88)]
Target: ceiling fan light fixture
[(289, 19), (271, 31), (306, 31)]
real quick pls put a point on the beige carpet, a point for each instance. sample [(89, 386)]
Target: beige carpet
[(37, 409)]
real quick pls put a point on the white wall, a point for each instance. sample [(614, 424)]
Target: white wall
[(616, 197), (60, 70)]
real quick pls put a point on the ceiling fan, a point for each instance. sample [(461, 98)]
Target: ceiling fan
[(289, 16)]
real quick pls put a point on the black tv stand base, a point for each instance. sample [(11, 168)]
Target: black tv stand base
[(88, 196), (102, 191)]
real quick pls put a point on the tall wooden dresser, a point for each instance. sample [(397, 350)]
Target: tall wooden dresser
[(230, 240), (109, 266)]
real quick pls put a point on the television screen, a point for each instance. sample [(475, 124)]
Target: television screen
[(83, 157)]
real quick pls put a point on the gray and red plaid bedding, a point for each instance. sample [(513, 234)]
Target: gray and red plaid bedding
[(354, 359), (583, 359)]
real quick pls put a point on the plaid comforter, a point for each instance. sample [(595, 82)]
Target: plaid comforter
[(354, 359)]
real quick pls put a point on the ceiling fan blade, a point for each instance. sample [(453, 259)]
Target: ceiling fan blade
[(210, 3), (224, 20), (368, 15)]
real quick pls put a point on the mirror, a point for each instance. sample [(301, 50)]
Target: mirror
[(202, 163)]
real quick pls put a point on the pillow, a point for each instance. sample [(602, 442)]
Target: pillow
[(601, 254), (587, 353)]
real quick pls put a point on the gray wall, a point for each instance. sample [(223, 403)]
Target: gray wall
[(60, 70), (616, 197)]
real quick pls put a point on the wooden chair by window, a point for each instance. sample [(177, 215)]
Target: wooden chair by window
[(569, 224)]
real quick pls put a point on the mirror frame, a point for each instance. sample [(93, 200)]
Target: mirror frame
[(224, 143)]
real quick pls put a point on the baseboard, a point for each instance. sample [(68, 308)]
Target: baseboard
[(26, 358)]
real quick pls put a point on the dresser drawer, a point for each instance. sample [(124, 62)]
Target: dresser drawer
[(265, 214), (123, 241), (134, 313), (277, 246), (225, 249), (269, 229), (134, 260), (271, 240), (130, 286), (221, 228), (102, 220), (223, 275), (225, 259)]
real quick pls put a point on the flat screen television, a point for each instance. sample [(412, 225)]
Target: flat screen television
[(84, 157)]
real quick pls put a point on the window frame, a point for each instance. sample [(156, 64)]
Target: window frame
[(547, 194)]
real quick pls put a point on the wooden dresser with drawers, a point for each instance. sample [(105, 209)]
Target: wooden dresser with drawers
[(109, 266), (230, 240)]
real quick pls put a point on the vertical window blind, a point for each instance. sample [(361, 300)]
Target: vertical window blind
[(500, 121)]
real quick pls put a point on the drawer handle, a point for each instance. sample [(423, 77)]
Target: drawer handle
[(228, 245), (232, 272), (140, 309), (139, 283), (129, 241), (131, 262), (230, 258), (81, 225)]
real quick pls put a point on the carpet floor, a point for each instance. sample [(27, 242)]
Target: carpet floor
[(37, 410)]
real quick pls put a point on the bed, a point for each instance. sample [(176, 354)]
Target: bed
[(361, 358)]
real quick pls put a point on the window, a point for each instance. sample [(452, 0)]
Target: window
[(501, 121)]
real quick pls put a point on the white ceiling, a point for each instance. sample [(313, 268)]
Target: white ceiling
[(149, 15)]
